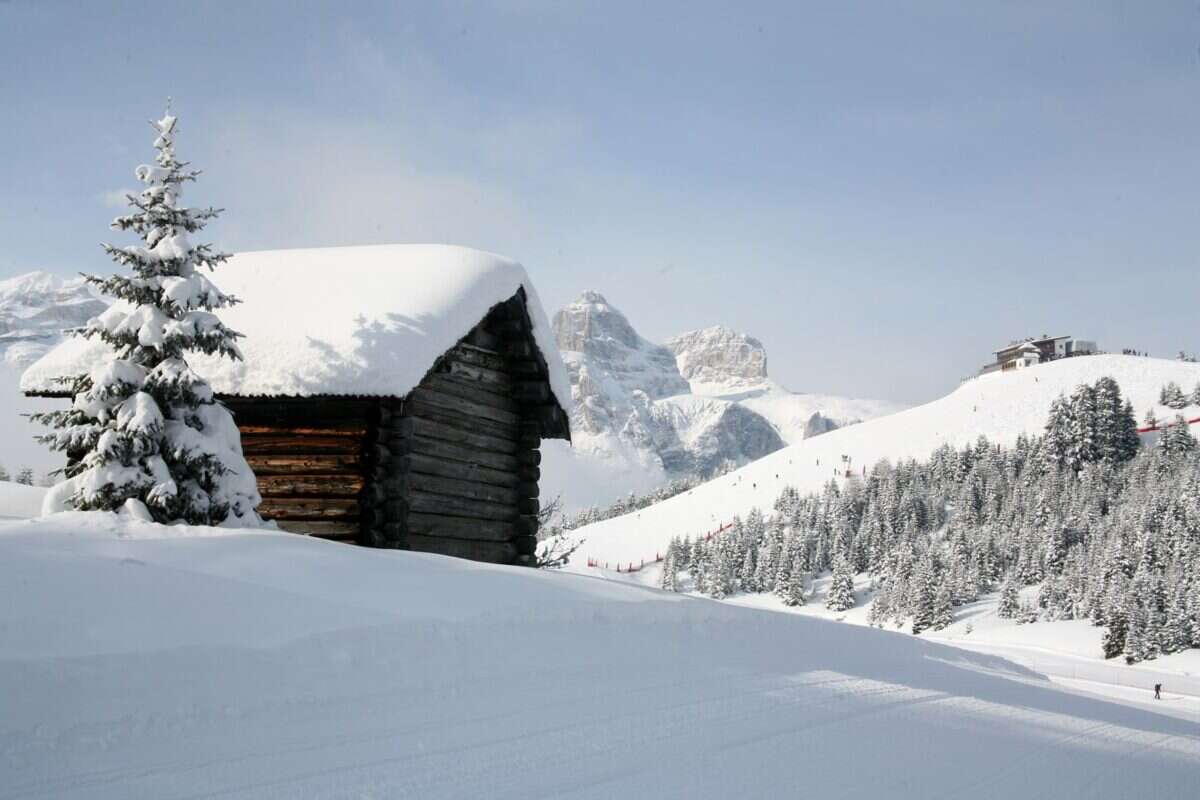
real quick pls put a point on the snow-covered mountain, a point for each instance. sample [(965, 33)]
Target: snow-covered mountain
[(645, 413), (1000, 406), (35, 308)]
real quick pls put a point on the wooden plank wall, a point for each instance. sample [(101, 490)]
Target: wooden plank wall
[(308, 455), (458, 459)]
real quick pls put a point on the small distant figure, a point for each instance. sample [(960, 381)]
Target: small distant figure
[(1158, 691)]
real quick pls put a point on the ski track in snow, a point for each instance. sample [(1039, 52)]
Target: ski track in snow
[(273, 666)]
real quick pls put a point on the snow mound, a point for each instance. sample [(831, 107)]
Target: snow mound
[(343, 321), (1000, 406), (18, 501), (270, 666)]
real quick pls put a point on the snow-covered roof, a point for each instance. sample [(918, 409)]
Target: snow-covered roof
[(365, 321)]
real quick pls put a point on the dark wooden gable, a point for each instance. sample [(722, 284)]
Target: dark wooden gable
[(451, 468)]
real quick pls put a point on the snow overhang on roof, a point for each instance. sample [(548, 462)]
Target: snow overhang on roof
[(352, 321)]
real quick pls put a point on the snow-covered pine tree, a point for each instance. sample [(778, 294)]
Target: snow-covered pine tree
[(1177, 439), (793, 593), (25, 476), (144, 431), (943, 607), (1195, 398), (1172, 396), (1010, 601), (3, 473), (841, 588)]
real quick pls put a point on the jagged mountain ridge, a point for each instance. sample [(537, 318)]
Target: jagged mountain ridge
[(35, 309), (697, 404)]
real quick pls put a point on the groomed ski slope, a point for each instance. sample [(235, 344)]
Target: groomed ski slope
[(1000, 406), (143, 661)]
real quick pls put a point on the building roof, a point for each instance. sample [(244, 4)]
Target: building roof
[(360, 321), (1034, 340)]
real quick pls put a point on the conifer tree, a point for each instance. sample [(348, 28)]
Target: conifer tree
[(943, 608), (25, 476), (144, 431), (841, 588), (3, 473), (1172, 396), (1010, 603)]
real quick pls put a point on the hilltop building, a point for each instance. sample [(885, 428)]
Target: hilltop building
[(1038, 350)]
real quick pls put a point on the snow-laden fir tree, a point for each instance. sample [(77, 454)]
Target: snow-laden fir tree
[(1172, 396), (144, 431), (841, 587)]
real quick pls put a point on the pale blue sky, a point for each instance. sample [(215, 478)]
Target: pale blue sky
[(881, 192)]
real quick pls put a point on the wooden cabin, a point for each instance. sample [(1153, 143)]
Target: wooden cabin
[(448, 463)]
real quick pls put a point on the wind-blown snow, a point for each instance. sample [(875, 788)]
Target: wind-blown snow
[(146, 661), (18, 501), (1000, 406), (344, 320)]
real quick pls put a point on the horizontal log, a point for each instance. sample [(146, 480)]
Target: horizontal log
[(527, 526), (421, 524), (529, 458), (418, 426), (348, 429), (348, 485), (529, 474), (491, 552), (316, 412), (452, 452), (468, 354), (528, 490), (462, 406), (290, 444), (483, 394), (499, 381), (426, 503), (426, 465), (526, 545), (514, 328), (471, 490), (527, 368), (309, 508), (482, 338), (419, 408), (528, 505), (303, 465), (329, 530), (532, 392), (519, 350)]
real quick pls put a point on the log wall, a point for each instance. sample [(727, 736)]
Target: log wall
[(308, 455), (461, 451), (453, 468)]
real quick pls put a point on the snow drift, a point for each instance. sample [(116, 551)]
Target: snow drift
[(144, 661)]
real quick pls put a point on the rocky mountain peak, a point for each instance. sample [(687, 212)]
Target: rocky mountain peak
[(604, 339), (719, 355), (36, 307)]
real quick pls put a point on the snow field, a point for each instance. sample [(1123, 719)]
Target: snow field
[(1000, 406), (144, 661)]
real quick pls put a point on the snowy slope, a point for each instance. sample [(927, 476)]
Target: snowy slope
[(141, 661), (791, 413), (20, 502), (1000, 406)]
